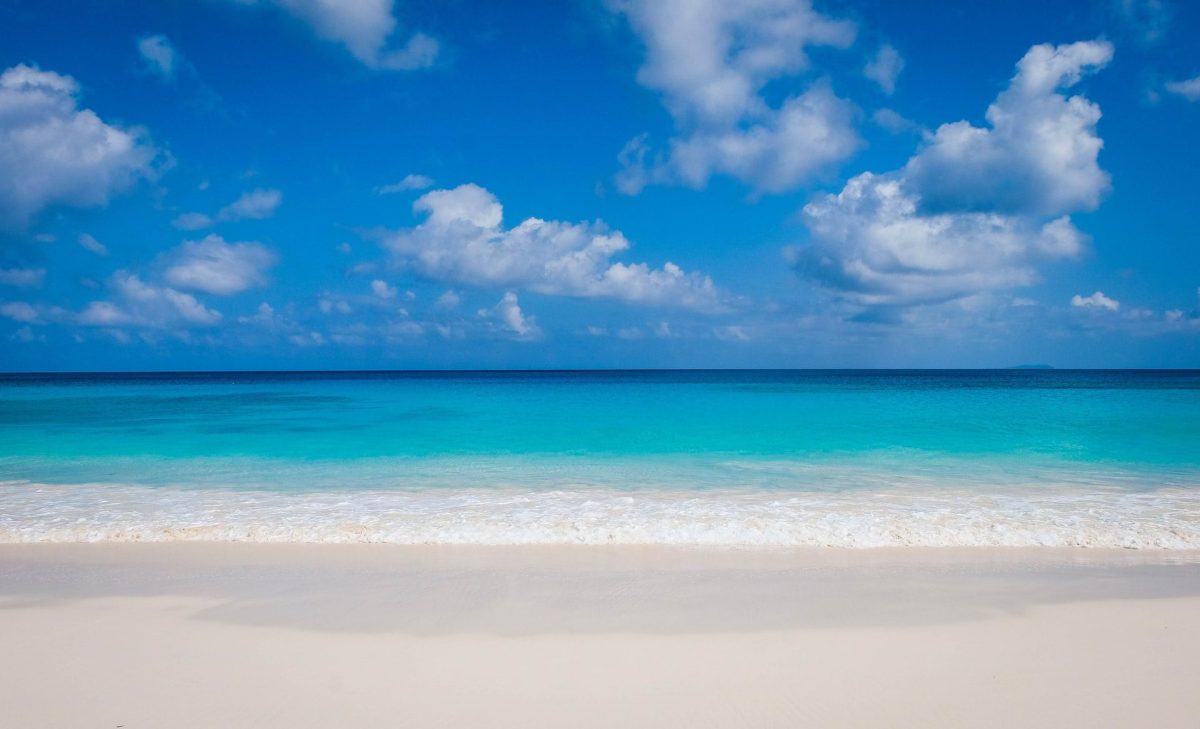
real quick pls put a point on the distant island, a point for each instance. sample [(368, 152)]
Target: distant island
[(1031, 367)]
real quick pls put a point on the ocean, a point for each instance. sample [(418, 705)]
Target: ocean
[(860, 458)]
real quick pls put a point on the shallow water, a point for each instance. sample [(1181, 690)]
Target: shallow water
[(847, 458)]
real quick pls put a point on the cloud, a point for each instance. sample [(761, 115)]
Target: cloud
[(192, 221), (463, 240), (975, 208), (892, 121), (217, 267), (90, 243), (364, 27), (54, 153), (137, 303), (884, 68), (1147, 20), (1039, 153), (711, 61), (1188, 89), (328, 306), (159, 56), (20, 311), (410, 182), (448, 300), (25, 335), (732, 333), (253, 205), (308, 339), (382, 290), (1096, 301), (508, 315), (264, 315), (25, 278)]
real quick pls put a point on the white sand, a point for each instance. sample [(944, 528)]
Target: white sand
[(292, 636)]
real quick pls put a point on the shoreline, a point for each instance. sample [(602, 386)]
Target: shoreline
[(1011, 517), (197, 635)]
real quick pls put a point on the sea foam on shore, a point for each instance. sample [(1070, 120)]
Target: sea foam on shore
[(1015, 517)]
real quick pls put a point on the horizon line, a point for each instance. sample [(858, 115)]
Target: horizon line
[(537, 370)]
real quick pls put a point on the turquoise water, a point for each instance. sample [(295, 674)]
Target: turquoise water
[(753, 457)]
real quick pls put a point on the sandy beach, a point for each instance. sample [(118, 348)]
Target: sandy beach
[(203, 635)]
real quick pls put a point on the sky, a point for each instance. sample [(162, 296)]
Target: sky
[(423, 184)]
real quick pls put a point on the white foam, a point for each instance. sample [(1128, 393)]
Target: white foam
[(1167, 518)]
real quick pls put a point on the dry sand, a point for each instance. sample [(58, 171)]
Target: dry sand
[(199, 635)]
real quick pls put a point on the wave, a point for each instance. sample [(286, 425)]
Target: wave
[(1166, 518)]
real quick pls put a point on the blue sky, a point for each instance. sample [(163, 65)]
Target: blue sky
[(240, 184)]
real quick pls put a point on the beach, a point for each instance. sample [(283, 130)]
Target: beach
[(600, 549), (202, 635)]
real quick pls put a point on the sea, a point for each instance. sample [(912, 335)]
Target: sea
[(756, 458)]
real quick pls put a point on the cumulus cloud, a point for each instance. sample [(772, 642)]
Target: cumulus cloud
[(90, 243), (1188, 89), (1038, 155), (25, 278), (1096, 301), (54, 153), (508, 316), (139, 304), (711, 61), (410, 182), (214, 266), (159, 56), (463, 240), (975, 208), (366, 29), (256, 204), (885, 67)]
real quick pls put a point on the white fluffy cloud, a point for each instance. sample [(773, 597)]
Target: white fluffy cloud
[(711, 60), (256, 204), (872, 244), (508, 317), (139, 304), (463, 240), (159, 55), (1039, 154), (1096, 301), (217, 267), (976, 208), (885, 67), (54, 153), (364, 27), (1188, 89)]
